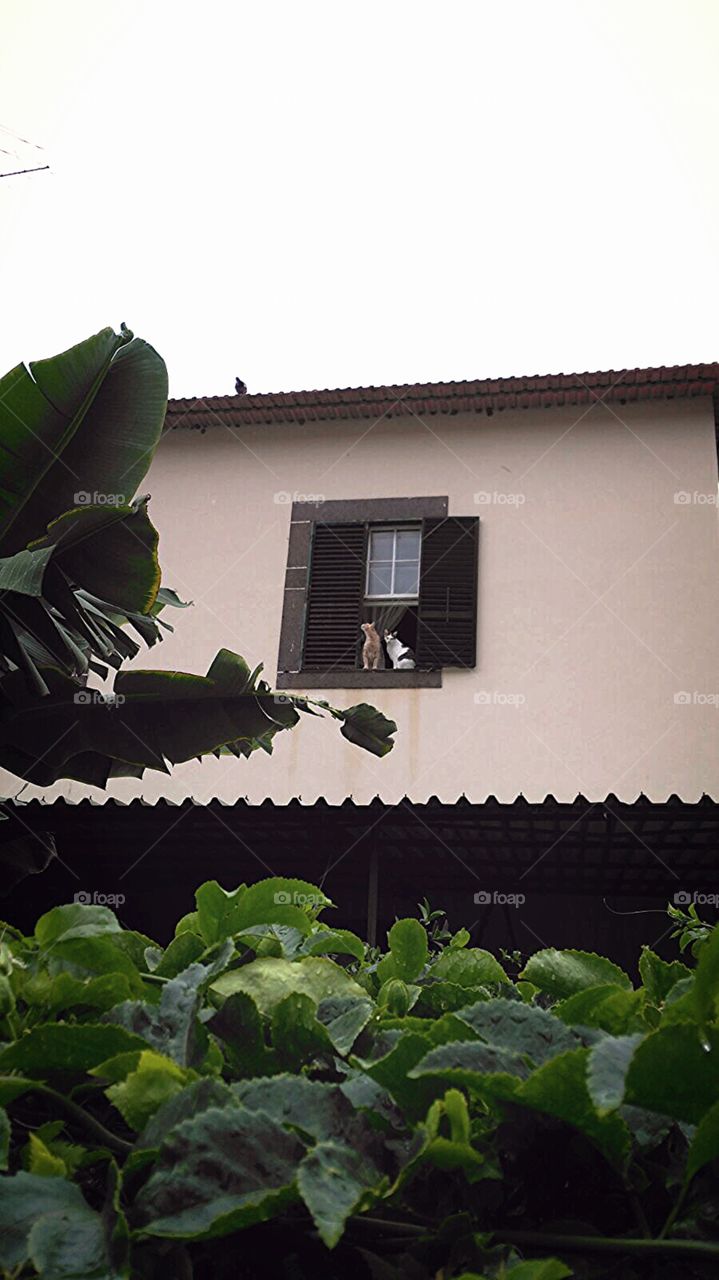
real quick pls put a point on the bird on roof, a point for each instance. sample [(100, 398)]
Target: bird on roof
[(240, 387)]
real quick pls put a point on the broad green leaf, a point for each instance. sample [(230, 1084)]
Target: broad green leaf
[(40, 411), (268, 980), (218, 1172), (336, 1181), (520, 1028), (394, 1071), (455, 1151), (158, 718), (70, 1246), (217, 910), (191, 1099), (281, 901), (607, 1068), (25, 1199), (188, 924), (59, 1047), (180, 953), (154, 1081), (110, 552), (460, 938), (469, 1062), (171, 1027), (563, 973), (658, 976), (408, 951), (334, 942), (95, 956), (41, 1161), (119, 1066), (114, 411), (238, 1025), (297, 1036), (706, 979), (53, 994), (11, 1087), (559, 1089), (366, 1095), (610, 1008), (470, 967), (74, 920), (343, 1018), (647, 1128), (697, 1001), (704, 1146), (675, 1071), (316, 1110), (438, 998), (368, 728)]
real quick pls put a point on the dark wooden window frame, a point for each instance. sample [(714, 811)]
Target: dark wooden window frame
[(303, 517)]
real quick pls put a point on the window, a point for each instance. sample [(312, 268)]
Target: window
[(393, 563), (402, 563)]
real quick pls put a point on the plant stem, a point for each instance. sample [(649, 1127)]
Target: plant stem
[(387, 1224), (611, 1244), (674, 1212), (90, 1123)]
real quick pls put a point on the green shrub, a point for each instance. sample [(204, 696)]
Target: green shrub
[(267, 1096)]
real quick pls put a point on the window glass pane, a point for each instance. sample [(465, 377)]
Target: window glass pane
[(408, 544), (406, 578), (380, 579), (381, 543)]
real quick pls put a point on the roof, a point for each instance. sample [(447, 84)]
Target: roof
[(487, 395)]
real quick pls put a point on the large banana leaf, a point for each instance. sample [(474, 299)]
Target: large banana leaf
[(156, 718), (78, 557), (52, 593), (85, 422)]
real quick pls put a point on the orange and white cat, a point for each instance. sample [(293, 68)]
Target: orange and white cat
[(372, 647)]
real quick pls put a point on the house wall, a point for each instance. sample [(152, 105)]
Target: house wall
[(598, 601)]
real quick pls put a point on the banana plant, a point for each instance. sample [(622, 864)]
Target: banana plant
[(79, 571)]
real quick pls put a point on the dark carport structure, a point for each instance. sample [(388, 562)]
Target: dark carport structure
[(596, 875)]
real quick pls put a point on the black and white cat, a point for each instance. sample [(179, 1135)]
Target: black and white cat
[(401, 656)]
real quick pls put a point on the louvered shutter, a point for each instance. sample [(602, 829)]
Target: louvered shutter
[(447, 628), (334, 603)]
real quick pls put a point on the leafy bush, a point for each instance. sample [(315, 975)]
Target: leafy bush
[(266, 1096)]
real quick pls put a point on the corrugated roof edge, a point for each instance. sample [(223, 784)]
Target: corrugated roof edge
[(489, 395), (88, 802)]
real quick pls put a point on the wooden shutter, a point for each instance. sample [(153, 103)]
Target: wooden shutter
[(447, 628), (334, 603)]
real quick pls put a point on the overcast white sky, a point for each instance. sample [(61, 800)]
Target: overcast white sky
[(319, 194)]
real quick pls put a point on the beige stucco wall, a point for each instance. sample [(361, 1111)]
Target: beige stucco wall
[(598, 601)]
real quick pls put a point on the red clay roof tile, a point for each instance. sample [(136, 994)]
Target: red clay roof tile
[(485, 395)]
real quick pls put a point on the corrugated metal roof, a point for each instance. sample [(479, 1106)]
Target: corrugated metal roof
[(488, 395), (461, 801)]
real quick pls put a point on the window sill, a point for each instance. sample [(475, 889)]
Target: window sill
[(359, 680)]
